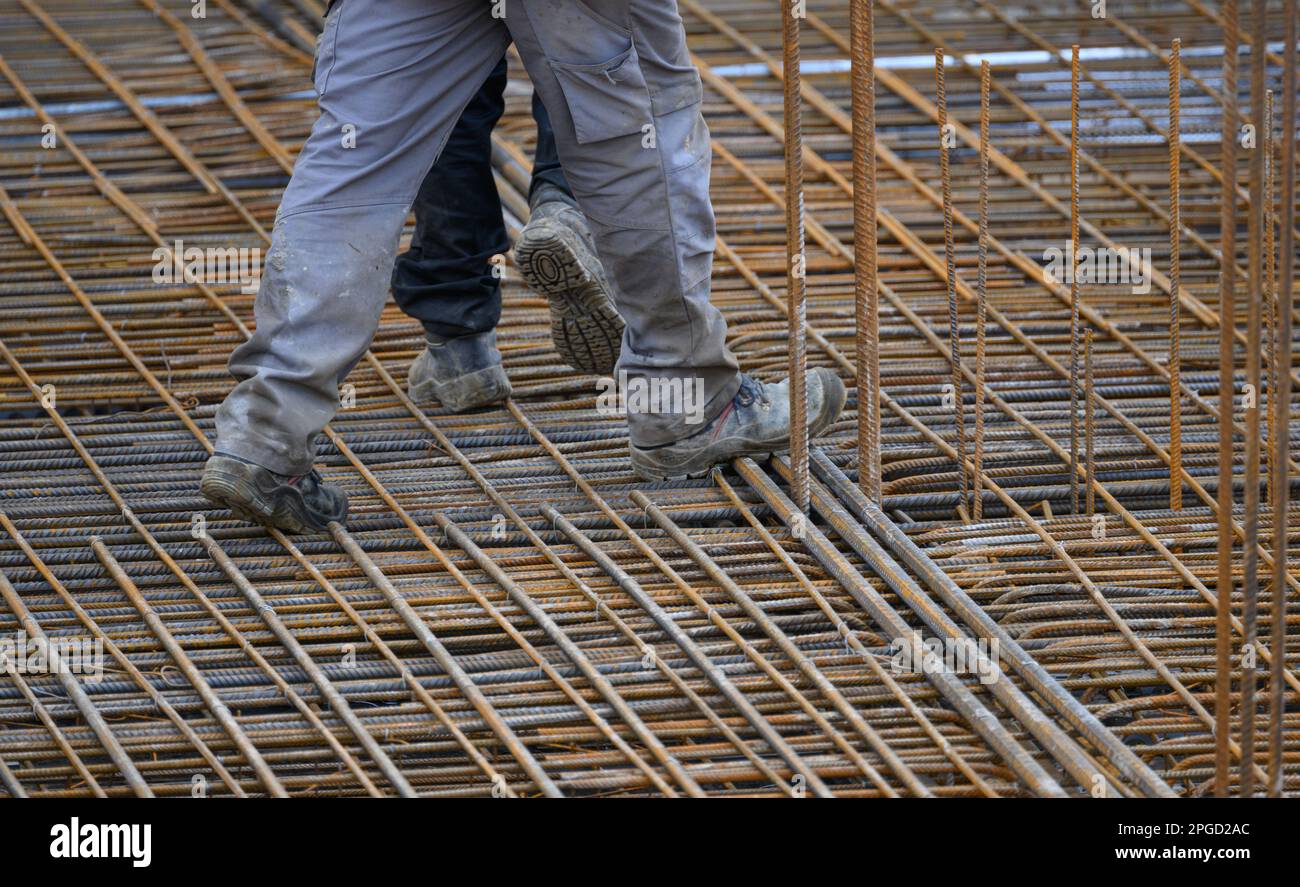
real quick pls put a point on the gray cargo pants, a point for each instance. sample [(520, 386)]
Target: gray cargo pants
[(393, 77)]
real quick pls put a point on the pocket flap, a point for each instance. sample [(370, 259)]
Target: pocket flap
[(606, 100)]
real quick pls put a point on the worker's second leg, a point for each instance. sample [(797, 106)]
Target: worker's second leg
[(393, 77), (556, 254), (625, 100), (450, 277)]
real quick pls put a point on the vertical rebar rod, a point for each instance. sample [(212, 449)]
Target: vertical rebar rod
[(1074, 279), (1175, 282), (1270, 288), (1282, 440), (1227, 328), (950, 263), (794, 253), (1089, 432), (981, 294), (1250, 559), (865, 289)]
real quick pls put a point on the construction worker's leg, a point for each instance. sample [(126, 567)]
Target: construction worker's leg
[(446, 280), (393, 77), (556, 256), (624, 103)]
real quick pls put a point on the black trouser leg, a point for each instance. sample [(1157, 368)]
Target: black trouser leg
[(445, 279), (548, 177)]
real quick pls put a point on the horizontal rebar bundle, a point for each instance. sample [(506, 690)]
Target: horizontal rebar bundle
[(1082, 484)]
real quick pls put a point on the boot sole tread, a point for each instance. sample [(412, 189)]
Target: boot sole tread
[(587, 329)]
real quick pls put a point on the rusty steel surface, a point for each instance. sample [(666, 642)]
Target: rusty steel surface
[(509, 610)]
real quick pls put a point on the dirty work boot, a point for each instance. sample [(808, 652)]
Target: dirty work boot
[(556, 255), (756, 423), (297, 504), (462, 373)]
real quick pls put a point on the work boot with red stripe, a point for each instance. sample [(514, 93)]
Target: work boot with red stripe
[(755, 423)]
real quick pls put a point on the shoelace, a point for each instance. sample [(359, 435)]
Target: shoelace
[(751, 390)]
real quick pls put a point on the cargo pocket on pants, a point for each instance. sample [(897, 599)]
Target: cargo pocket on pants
[(606, 100)]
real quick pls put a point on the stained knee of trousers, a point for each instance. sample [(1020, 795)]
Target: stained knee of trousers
[(318, 306), (684, 149)]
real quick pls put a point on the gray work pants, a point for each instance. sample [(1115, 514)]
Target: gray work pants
[(393, 77)]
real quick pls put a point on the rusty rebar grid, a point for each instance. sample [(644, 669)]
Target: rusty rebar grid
[(137, 368)]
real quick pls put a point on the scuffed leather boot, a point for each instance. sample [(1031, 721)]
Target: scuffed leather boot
[(301, 503), (755, 423), (464, 373)]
